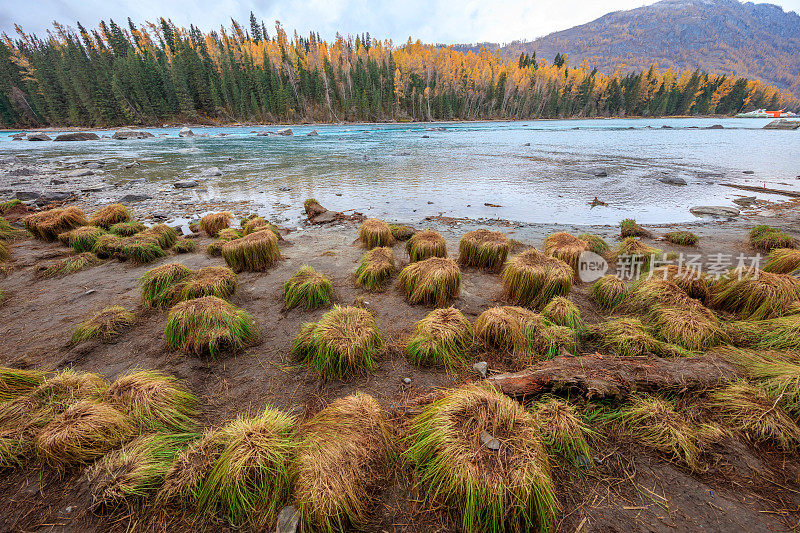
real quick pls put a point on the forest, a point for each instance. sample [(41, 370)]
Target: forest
[(156, 73)]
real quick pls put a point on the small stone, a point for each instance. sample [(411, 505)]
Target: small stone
[(312, 133), (285, 132), (672, 180), (489, 441), (481, 368), (38, 137), (288, 520), (185, 184), (80, 173), (284, 188), (526, 144), (90, 291), (213, 171), (407, 381), (600, 174), (133, 198)]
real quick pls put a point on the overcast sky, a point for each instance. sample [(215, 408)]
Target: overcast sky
[(433, 21)]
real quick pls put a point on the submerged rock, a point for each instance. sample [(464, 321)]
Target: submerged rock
[(19, 136), (312, 133), (714, 211), (133, 198), (672, 180), (745, 201), (78, 136), (783, 124), (126, 133), (80, 173), (213, 171), (285, 132), (22, 171), (38, 137)]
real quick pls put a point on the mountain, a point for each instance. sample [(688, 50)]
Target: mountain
[(722, 36)]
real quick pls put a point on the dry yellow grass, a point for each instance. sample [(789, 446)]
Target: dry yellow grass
[(374, 233), (566, 247), (425, 244), (211, 224), (110, 215), (484, 249), (47, 225), (434, 281), (532, 278)]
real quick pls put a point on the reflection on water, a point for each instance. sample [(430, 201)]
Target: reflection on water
[(409, 171)]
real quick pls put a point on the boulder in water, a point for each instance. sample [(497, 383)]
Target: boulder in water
[(312, 133), (285, 132), (672, 180), (213, 171), (783, 124), (38, 137), (126, 133), (185, 184), (78, 136), (714, 211), (185, 132)]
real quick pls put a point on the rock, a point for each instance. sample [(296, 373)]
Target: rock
[(665, 127), (672, 180), (489, 441), (264, 134), (325, 217), (131, 165), (312, 133), (213, 171), (285, 132), (22, 171), (27, 195), (78, 136), (748, 172), (288, 520), (481, 368), (714, 211), (436, 129), (133, 198), (10, 160), (79, 173), (56, 181), (426, 136), (284, 188), (19, 136), (780, 124), (745, 201), (715, 127), (38, 137), (43, 198), (597, 201), (600, 174), (185, 132), (407, 381), (96, 165), (185, 184), (125, 133), (526, 144)]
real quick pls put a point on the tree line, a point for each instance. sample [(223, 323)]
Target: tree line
[(159, 72)]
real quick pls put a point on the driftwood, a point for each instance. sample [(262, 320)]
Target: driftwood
[(601, 376)]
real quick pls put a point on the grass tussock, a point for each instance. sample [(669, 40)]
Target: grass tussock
[(777, 373), (782, 333), (441, 339), (562, 312), (209, 326), (308, 288), (154, 401), (16, 381), (375, 233), (82, 239), (85, 431), (229, 234), (8, 205), (47, 225), (345, 341), (213, 223), (425, 244), (493, 490), (107, 323), (596, 243), (628, 337), (184, 246), (184, 478), (257, 251), (608, 291), (141, 248), (522, 333), (165, 236), (564, 430), (484, 249), (755, 295), (70, 265), (682, 238), (401, 233), (755, 414), (376, 267), (254, 224), (5, 251), (110, 215), (126, 229), (566, 247), (341, 460), (129, 475), (434, 281), (9, 232), (783, 261), (158, 285), (629, 228), (766, 238), (106, 246), (693, 282), (207, 281), (637, 252), (215, 249), (532, 278)]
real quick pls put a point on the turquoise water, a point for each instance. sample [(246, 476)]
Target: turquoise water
[(393, 171)]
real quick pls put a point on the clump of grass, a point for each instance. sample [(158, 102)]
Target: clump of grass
[(340, 462), (307, 287), (656, 423), (126, 229), (757, 415), (257, 251), (184, 478), (425, 244), (766, 238), (693, 282), (16, 381), (376, 267), (211, 224), (107, 245), (637, 252), (254, 224), (777, 373), (82, 239), (215, 248), (159, 284), (107, 323), (566, 247), (484, 249), (629, 228), (132, 473), (755, 295), (110, 215), (208, 281), (6, 206), (532, 278), (165, 236), (783, 261), (140, 248), (209, 326), (434, 281), (85, 431), (596, 243), (184, 246), (5, 252), (628, 337), (154, 401), (562, 312), (9, 232), (312, 207), (47, 225), (522, 333), (401, 233), (564, 430), (683, 238), (441, 339), (345, 341), (505, 489), (229, 234), (608, 291), (782, 333), (374, 233)]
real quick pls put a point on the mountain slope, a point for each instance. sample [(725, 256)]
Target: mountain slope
[(724, 36)]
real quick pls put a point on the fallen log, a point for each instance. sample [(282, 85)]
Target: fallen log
[(611, 376)]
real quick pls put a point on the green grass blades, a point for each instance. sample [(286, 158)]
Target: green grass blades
[(9, 232), (628, 337), (596, 243), (16, 381), (208, 281), (755, 295), (441, 339), (629, 228), (184, 246), (401, 233), (376, 267), (766, 238), (165, 236), (345, 341), (777, 373), (209, 326), (158, 285), (110, 215), (434, 281), (82, 239), (257, 251), (532, 279), (184, 479), (781, 333), (5, 251), (141, 248), (126, 229), (213, 223), (562, 312), (755, 414), (375, 233), (564, 430), (783, 261), (693, 282), (424, 244), (341, 461), (129, 475), (108, 245), (682, 238), (484, 249), (308, 288), (154, 401), (637, 254), (6, 206), (107, 323), (608, 291), (502, 485)]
